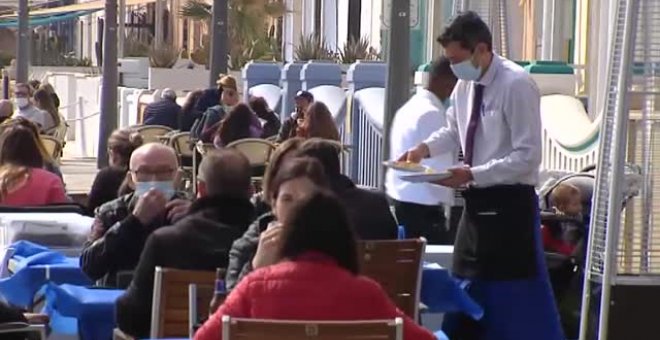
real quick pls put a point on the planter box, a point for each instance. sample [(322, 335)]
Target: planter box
[(178, 79)]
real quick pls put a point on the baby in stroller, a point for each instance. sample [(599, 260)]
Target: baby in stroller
[(563, 227)]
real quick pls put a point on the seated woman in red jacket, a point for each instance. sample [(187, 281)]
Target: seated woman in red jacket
[(23, 181), (316, 277)]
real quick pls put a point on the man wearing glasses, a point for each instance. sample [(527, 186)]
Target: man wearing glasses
[(121, 226)]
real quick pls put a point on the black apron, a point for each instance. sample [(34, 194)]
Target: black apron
[(496, 234)]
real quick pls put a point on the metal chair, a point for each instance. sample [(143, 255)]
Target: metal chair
[(256, 329), (152, 133), (169, 313), (397, 266), (22, 327)]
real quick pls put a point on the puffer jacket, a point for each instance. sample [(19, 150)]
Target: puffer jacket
[(311, 287)]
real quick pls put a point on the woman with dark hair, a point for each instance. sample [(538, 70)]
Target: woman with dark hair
[(318, 123), (23, 181), (315, 277), (296, 180), (284, 152), (272, 124), (49, 88), (49, 162), (110, 182), (189, 112), (44, 101), (239, 124)]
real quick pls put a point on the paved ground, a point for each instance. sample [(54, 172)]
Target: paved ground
[(78, 173)]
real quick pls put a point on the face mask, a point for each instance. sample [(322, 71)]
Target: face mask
[(22, 102), (465, 70), (165, 187), (446, 103)]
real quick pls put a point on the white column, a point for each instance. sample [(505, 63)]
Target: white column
[(342, 22), (308, 17), (158, 13), (329, 23), (288, 39), (365, 19), (548, 32)]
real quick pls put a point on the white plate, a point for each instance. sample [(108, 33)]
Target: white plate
[(407, 167), (423, 178)]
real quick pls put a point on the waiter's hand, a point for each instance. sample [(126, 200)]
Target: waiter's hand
[(416, 154), (459, 178)]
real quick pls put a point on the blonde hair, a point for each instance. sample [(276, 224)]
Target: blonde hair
[(10, 177), (562, 195)]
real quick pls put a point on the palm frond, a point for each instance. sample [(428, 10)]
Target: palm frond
[(196, 10)]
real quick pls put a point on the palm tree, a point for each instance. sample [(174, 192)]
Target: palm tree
[(249, 28)]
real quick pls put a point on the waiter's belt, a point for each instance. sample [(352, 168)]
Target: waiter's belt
[(496, 234)]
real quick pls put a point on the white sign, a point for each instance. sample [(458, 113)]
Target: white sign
[(414, 13)]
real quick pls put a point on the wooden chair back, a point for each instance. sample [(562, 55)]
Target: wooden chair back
[(53, 146), (199, 299), (204, 148), (152, 133), (255, 329), (169, 312), (397, 266), (180, 142), (256, 150)]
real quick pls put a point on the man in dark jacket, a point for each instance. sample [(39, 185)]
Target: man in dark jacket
[(121, 226), (200, 241), (368, 211), (164, 111), (303, 100)]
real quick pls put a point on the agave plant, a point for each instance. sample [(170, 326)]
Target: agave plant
[(164, 56), (313, 47), (357, 49), (248, 22)]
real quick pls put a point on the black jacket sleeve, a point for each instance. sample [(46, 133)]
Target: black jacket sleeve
[(241, 254), (113, 250), (105, 188), (134, 307)]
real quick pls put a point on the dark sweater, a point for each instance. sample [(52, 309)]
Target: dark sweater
[(105, 187)]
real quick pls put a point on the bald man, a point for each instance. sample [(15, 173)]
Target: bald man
[(221, 213), (6, 109), (121, 226)]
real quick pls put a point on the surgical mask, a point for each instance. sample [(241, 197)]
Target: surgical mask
[(446, 103), (165, 187), (465, 70), (22, 102), (227, 108)]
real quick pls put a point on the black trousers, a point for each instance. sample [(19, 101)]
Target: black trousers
[(420, 220)]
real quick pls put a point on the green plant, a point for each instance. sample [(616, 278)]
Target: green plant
[(135, 48), (5, 58), (313, 47), (357, 49), (164, 56), (248, 29)]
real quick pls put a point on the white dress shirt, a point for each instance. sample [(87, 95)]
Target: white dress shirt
[(415, 121), (507, 143)]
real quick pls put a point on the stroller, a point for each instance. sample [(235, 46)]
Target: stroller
[(567, 270)]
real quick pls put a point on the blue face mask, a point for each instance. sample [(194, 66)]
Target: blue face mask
[(465, 70), (446, 103), (165, 187)]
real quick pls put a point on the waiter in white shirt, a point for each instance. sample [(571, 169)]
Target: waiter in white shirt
[(419, 206), (498, 255)]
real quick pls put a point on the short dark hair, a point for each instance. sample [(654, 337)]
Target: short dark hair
[(300, 167), (321, 224), (326, 152), (441, 68), (305, 95), (226, 172), (468, 29)]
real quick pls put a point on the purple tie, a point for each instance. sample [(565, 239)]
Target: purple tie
[(474, 122)]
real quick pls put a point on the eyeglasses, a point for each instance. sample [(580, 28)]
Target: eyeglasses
[(153, 174)]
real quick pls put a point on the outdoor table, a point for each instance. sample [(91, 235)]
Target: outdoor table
[(92, 308), (33, 266)]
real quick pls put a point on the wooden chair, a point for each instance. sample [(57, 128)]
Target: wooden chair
[(204, 148), (199, 298), (397, 266), (152, 133), (53, 147), (169, 313), (255, 329), (256, 150)]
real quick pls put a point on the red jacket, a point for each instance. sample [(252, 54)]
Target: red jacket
[(311, 288)]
